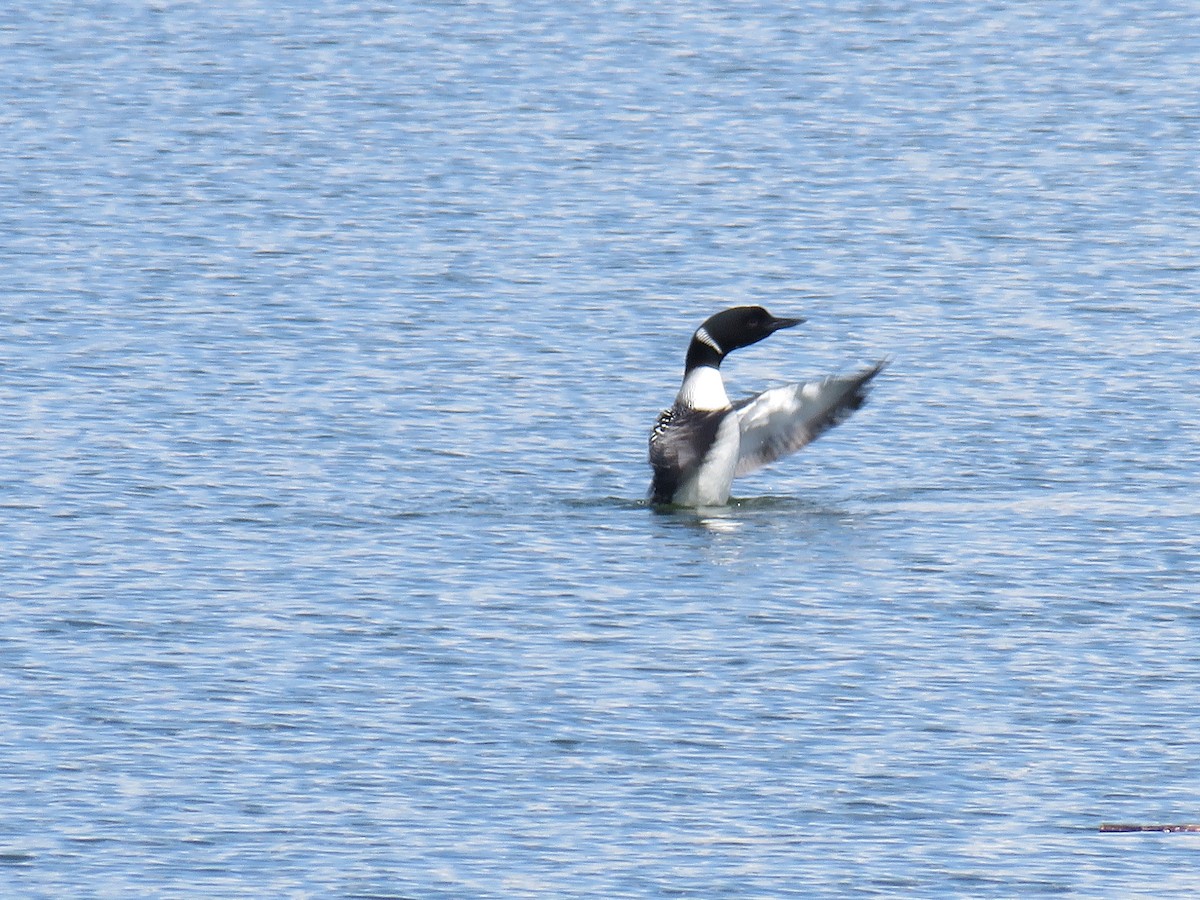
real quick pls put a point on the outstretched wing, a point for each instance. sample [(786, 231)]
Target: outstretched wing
[(782, 420)]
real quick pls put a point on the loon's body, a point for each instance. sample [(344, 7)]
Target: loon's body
[(703, 442)]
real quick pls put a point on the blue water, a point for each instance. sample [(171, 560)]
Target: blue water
[(330, 339)]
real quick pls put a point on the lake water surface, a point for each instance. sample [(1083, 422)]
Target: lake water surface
[(330, 340)]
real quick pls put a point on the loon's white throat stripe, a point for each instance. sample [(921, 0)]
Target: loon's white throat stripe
[(704, 337)]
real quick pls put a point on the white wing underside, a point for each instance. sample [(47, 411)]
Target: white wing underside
[(784, 419)]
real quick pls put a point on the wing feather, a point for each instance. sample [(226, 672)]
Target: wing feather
[(782, 420)]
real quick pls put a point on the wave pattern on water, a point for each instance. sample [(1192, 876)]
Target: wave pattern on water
[(330, 345)]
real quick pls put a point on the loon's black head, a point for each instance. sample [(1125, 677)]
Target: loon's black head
[(732, 329)]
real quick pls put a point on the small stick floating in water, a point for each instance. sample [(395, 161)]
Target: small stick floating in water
[(1110, 828)]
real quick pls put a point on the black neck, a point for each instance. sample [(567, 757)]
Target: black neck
[(701, 354)]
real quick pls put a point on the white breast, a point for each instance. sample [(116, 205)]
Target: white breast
[(703, 388)]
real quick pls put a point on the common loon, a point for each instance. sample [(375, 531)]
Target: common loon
[(703, 442)]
